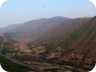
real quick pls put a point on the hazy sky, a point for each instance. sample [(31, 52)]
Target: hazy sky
[(19, 11)]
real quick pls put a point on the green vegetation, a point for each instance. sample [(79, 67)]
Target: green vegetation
[(69, 40)]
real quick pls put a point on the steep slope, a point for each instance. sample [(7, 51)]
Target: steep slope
[(83, 39), (59, 33)]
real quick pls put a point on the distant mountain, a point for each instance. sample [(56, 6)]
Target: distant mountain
[(9, 28), (34, 27), (39, 26)]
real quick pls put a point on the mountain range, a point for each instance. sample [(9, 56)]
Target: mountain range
[(34, 27), (50, 44), (70, 34)]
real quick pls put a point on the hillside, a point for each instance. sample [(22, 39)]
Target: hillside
[(72, 35), (59, 33), (33, 28), (83, 39)]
